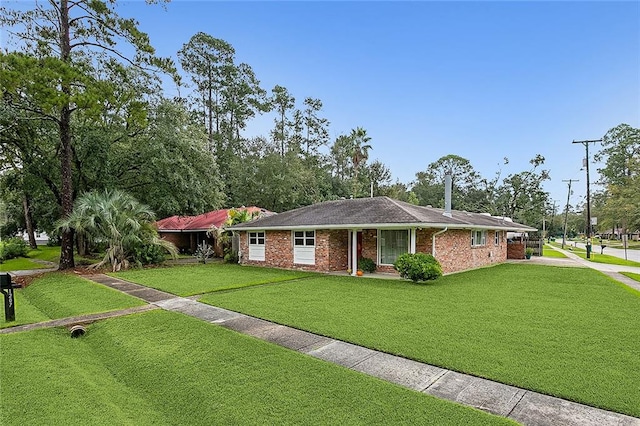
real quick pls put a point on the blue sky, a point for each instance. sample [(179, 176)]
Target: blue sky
[(483, 80)]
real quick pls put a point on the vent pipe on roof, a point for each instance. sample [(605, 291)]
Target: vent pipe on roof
[(447, 195)]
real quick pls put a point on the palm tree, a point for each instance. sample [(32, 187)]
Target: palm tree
[(359, 152), (119, 220)]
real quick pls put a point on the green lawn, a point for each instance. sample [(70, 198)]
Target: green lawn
[(187, 280), (20, 264), (632, 275), (549, 252), (60, 295), (45, 253), (568, 332), (166, 368)]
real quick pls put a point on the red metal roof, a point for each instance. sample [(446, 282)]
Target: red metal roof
[(201, 222)]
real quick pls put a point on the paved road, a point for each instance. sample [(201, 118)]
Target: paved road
[(631, 254)]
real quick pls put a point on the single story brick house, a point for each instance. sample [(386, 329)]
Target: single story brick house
[(186, 232), (332, 235)]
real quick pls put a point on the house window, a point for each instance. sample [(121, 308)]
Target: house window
[(497, 238), (478, 238), (256, 246), (392, 244), (304, 238), (304, 247)]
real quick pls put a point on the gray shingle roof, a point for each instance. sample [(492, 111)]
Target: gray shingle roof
[(376, 212)]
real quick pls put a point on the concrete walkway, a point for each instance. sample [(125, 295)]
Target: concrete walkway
[(524, 406)]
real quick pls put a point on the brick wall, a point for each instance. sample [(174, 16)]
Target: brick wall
[(338, 249), (453, 250), (331, 251)]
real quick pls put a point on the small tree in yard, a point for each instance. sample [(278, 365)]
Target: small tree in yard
[(124, 224), (203, 252), (418, 267)]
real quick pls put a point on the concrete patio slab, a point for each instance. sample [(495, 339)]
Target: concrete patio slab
[(405, 372), (486, 395), (342, 353), (541, 410)]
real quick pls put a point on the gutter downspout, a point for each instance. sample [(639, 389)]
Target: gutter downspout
[(433, 240)]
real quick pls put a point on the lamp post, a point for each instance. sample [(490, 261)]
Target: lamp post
[(586, 145)]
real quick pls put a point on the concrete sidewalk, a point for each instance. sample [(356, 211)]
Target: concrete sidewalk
[(524, 406)]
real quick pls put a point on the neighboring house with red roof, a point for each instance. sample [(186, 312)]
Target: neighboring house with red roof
[(186, 232), (333, 235)]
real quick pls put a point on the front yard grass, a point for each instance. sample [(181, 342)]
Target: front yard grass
[(165, 368), (550, 252), (632, 275), (188, 280), (59, 295), (568, 332), (20, 264)]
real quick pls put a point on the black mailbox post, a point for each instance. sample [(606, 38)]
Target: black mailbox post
[(6, 287)]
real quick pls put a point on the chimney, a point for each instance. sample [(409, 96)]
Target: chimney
[(447, 195)]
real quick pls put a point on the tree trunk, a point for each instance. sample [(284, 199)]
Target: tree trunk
[(82, 245), (66, 250), (29, 222)]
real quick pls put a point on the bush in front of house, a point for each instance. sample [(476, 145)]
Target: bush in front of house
[(12, 248), (367, 265), (418, 267)]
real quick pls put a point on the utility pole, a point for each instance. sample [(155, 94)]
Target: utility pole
[(553, 215), (586, 145), (566, 210)]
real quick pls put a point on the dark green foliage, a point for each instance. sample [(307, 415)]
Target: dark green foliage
[(230, 258), (418, 267), (367, 265), (148, 254), (12, 248)]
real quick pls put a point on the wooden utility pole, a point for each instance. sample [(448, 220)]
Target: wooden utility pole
[(586, 145), (566, 210)]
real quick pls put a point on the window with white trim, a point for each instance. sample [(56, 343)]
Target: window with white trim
[(497, 238), (304, 247), (256, 245), (478, 238), (391, 244), (304, 238)]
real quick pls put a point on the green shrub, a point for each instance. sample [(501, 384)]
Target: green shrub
[(418, 267), (148, 254), (367, 265), (230, 258), (12, 248)]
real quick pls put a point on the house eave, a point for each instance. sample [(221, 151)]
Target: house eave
[(416, 225)]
